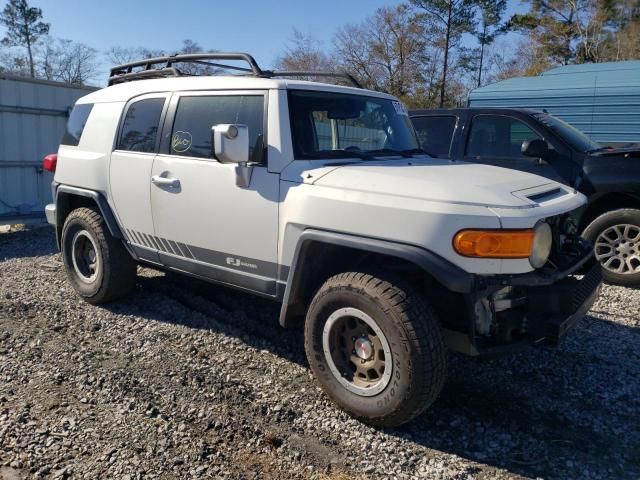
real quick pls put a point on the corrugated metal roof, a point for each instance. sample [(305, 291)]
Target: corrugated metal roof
[(601, 99), (33, 115)]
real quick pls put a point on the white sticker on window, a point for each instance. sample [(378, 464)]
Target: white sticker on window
[(400, 108)]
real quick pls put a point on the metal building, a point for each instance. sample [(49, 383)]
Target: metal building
[(33, 115), (601, 99)]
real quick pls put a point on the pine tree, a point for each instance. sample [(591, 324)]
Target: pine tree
[(23, 27)]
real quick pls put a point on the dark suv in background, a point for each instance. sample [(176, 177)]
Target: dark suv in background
[(537, 142)]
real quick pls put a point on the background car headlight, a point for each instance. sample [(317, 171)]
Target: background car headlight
[(541, 247)]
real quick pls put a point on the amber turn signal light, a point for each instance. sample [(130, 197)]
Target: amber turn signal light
[(494, 243)]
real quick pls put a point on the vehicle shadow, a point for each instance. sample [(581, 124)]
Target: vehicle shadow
[(30, 242), (557, 412)]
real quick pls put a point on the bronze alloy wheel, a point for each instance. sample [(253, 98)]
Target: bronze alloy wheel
[(357, 352)]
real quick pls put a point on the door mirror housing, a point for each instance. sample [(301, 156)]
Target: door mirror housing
[(231, 145), (535, 148)]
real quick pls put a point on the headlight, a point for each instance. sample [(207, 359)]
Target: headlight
[(541, 248)]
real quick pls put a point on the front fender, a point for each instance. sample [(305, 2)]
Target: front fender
[(449, 275)]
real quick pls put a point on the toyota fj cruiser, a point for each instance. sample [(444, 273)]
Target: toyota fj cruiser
[(319, 197)]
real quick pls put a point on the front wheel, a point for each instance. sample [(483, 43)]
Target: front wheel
[(376, 347), (616, 239)]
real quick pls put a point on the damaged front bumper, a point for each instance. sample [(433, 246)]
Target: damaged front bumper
[(506, 312)]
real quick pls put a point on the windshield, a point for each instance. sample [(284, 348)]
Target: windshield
[(571, 135), (338, 125)]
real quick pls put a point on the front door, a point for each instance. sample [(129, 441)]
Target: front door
[(206, 224), (130, 170), (497, 140)]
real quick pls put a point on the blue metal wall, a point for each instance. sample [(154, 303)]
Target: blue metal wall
[(601, 99), (33, 115)]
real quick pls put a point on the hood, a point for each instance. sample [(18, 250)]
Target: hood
[(624, 152), (440, 180)]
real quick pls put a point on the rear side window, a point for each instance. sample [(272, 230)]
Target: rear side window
[(140, 127), (498, 136), (76, 123), (435, 133), (195, 115)]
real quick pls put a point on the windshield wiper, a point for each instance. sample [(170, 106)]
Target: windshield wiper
[(337, 154), (417, 151), (387, 151), (599, 149)]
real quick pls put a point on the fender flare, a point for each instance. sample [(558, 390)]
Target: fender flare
[(101, 202), (449, 275)]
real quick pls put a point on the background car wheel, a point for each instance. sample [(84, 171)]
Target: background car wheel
[(616, 239), (98, 266), (375, 346)]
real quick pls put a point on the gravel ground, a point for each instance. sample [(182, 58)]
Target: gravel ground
[(188, 380)]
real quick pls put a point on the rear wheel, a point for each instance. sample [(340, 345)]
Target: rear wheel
[(376, 347), (616, 239), (98, 266)]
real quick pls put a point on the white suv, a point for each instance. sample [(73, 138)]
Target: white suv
[(318, 197)]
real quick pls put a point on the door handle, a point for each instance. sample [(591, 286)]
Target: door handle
[(165, 182)]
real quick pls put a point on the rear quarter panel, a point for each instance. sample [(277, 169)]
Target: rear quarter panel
[(87, 165)]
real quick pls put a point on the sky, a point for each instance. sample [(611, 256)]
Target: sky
[(259, 27)]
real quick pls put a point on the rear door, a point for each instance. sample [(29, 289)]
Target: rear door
[(130, 170), (497, 139), (205, 223), (435, 133)]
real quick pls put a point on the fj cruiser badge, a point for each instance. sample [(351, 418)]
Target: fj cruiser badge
[(236, 262)]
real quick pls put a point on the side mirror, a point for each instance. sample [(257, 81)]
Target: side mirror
[(535, 148), (231, 145)]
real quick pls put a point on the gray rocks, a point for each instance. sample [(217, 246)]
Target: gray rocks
[(189, 380)]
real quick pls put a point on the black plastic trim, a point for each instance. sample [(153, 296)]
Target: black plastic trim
[(103, 205), (445, 272), (257, 284)]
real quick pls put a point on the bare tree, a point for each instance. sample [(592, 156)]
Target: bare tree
[(121, 55), (67, 61), (24, 27), (303, 52), (387, 51)]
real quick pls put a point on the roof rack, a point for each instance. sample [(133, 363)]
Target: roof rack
[(148, 68)]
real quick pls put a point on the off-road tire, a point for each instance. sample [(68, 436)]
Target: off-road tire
[(623, 216), (117, 274), (413, 333)]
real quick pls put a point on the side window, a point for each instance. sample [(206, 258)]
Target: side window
[(140, 127), (497, 136), (75, 124), (435, 133), (195, 115)]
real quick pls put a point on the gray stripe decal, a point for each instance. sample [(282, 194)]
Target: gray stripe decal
[(164, 244), (147, 240), (168, 247), (235, 262), (176, 248), (154, 243), (188, 250), (211, 257), (137, 238)]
